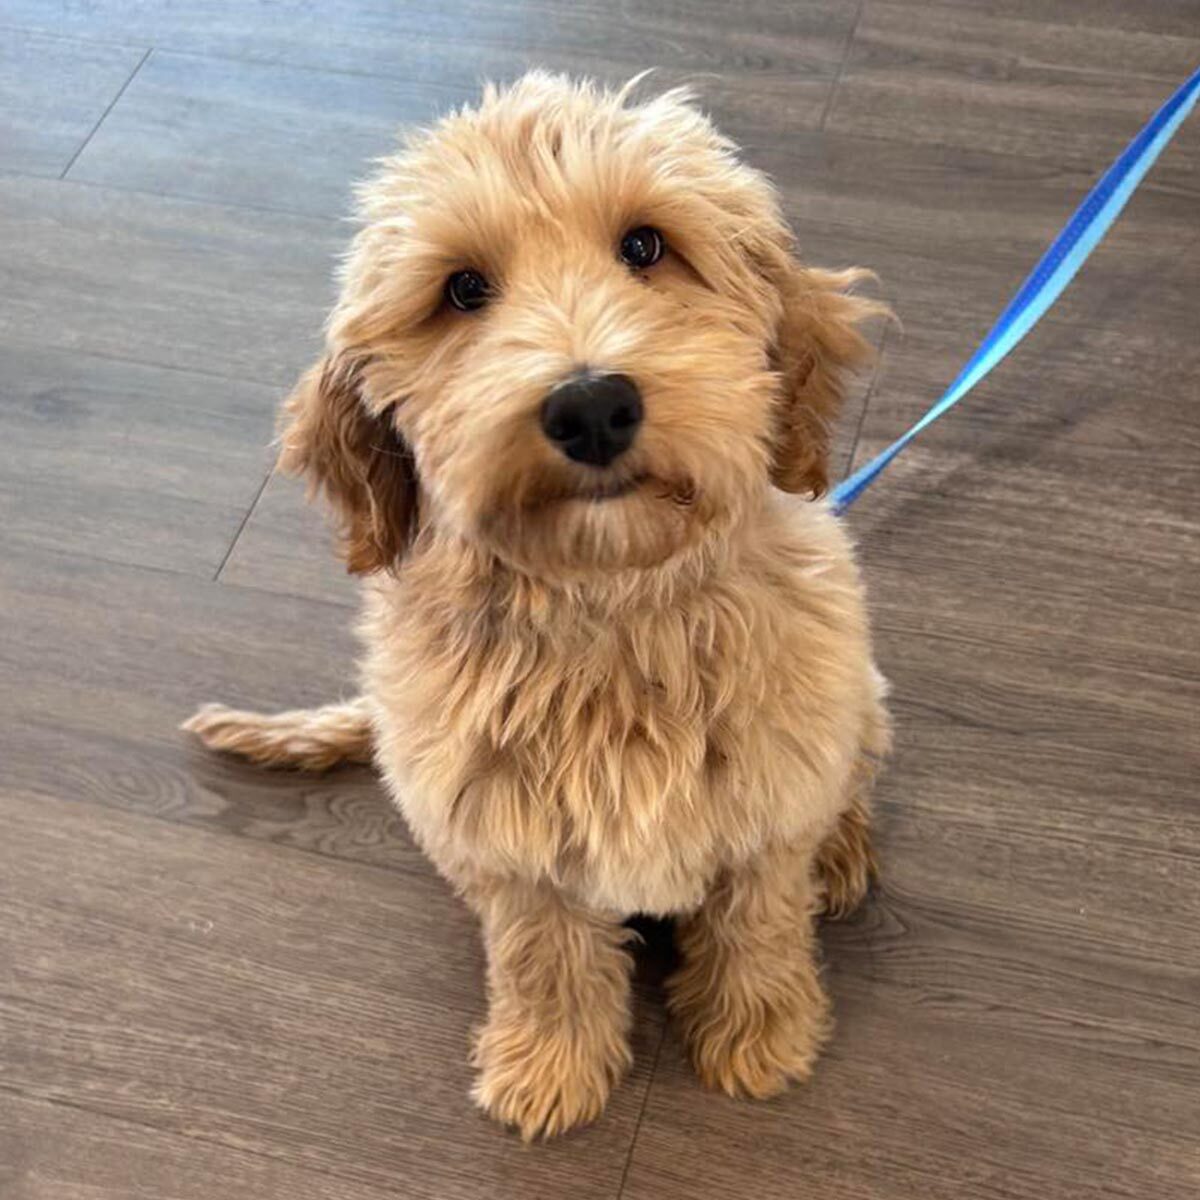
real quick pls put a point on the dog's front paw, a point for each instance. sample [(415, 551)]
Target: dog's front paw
[(751, 1046), (546, 1081)]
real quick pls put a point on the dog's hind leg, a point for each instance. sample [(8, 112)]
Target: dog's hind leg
[(846, 865), (308, 739)]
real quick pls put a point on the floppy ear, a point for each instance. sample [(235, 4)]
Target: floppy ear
[(817, 347), (354, 457)]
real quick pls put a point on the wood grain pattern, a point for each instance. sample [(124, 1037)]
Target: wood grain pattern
[(128, 462), (951, 232), (95, 716), (58, 1152), (962, 76), (1079, 459), (227, 291), (1173, 18), (928, 1092), (1032, 943), (53, 93), (783, 62), (253, 133), (319, 1017), (216, 981)]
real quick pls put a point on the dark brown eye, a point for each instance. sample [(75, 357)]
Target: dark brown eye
[(642, 247), (468, 290)]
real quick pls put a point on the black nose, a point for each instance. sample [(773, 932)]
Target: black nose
[(593, 418)]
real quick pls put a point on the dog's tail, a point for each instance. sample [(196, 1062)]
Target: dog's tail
[(305, 739)]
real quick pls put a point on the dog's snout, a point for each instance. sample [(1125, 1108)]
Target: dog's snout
[(593, 418)]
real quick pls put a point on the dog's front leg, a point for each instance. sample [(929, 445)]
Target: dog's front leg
[(748, 995), (556, 1038)]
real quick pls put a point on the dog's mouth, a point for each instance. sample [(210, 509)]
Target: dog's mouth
[(580, 497), (599, 491), (681, 493), (611, 489), (630, 518)]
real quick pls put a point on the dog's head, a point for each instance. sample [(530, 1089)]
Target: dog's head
[(572, 329)]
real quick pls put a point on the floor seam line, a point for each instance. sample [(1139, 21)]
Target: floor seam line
[(862, 416), (272, 210), (75, 554), (104, 115), (637, 1128), (837, 79), (262, 487), (22, 344)]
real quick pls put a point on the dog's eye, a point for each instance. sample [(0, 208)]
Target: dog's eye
[(468, 290), (642, 247)]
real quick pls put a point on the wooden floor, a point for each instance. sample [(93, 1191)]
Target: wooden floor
[(216, 983)]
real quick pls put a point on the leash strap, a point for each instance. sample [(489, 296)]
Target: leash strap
[(1045, 283)]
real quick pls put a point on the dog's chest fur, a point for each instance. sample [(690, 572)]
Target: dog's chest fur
[(624, 747)]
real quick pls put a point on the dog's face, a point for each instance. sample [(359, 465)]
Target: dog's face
[(571, 330)]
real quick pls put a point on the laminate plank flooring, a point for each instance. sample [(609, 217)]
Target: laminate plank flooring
[(1025, 952), (309, 1012), (126, 461), (53, 92), (962, 75), (52, 1151), (287, 546), (784, 60), (250, 133), (216, 981), (235, 293)]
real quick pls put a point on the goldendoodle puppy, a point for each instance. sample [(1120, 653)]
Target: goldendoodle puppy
[(573, 410)]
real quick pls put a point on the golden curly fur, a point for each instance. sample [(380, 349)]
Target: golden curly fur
[(595, 692)]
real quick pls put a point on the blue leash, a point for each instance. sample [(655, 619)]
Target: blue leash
[(1056, 268)]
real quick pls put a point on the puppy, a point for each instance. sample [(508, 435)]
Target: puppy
[(575, 400)]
